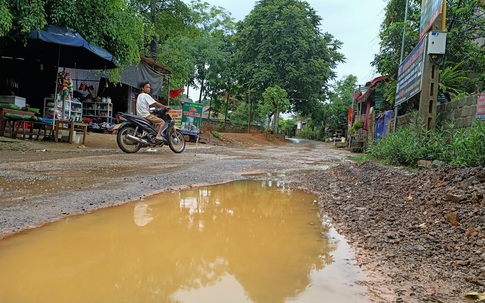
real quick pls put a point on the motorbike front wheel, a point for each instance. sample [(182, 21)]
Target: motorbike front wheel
[(176, 141), (126, 144)]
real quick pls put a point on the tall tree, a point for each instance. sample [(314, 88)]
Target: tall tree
[(163, 19), (195, 50), (211, 48), (280, 43), (388, 59), (153, 17), (465, 26), (275, 100), (336, 110)]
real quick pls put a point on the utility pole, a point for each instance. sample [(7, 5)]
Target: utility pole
[(153, 44), (402, 55), (249, 108), (428, 97)]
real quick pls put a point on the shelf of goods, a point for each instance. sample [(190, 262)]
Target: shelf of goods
[(98, 110), (73, 109)]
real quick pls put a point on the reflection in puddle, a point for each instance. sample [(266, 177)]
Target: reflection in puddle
[(247, 241)]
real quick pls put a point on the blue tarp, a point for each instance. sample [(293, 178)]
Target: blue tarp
[(381, 123), (69, 48)]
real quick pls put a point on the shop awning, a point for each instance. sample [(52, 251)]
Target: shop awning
[(370, 87)]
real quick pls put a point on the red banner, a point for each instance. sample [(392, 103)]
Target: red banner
[(351, 113), (174, 93)]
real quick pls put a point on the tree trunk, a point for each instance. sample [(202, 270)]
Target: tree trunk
[(153, 44), (276, 121), (201, 90), (210, 108), (227, 109), (249, 109)]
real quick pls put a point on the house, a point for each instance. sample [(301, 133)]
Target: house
[(371, 110)]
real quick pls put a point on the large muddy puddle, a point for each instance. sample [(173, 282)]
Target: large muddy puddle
[(245, 241)]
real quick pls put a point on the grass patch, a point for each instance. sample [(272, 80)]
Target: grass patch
[(217, 134), (12, 146)]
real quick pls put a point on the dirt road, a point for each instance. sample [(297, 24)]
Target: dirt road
[(45, 181), (418, 236)]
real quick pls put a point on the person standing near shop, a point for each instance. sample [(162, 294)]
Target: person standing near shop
[(143, 103)]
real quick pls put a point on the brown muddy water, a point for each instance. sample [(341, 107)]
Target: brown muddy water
[(245, 241)]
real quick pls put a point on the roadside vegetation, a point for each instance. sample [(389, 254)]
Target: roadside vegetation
[(445, 144), (278, 60)]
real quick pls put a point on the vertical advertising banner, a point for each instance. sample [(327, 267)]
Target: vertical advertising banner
[(191, 118), (410, 74), (176, 114), (349, 118), (430, 11), (481, 107)]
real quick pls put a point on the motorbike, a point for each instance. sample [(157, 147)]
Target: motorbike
[(136, 132)]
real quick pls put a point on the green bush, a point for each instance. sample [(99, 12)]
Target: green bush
[(467, 146), (412, 143), (356, 126), (217, 134), (308, 133), (402, 147)]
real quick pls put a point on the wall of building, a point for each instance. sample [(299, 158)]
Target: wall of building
[(462, 113)]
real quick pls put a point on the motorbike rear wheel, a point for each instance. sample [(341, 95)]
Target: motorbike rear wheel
[(126, 144), (176, 141)]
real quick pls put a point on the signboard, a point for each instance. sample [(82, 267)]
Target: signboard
[(378, 100), (481, 107), (176, 114), (191, 118), (430, 11), (410, 74)]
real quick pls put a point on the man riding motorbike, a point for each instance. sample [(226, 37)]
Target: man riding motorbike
[(143, 103)]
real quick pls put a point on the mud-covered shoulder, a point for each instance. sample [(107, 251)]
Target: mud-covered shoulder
[(424, 230)]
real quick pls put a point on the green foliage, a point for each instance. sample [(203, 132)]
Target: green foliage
[(389, 91), (465, 26), (356, 126), (240, 114), (6, 18), (335, 112), (412, 143), (176, 53), (280, 43), (221, 126), (398, 149), (287, 126), (209, 50), (465, 60), (110, 24), (309, 133), (217, 134), (467, 146), (388, 59), (275, 99), (453, 81)]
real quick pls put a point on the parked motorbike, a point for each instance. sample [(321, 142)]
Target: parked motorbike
[(136, 132)]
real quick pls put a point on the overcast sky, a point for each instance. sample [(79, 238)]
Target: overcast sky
[(354, 22)]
